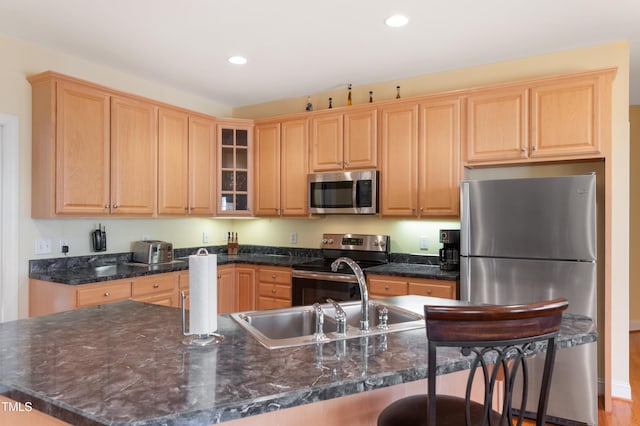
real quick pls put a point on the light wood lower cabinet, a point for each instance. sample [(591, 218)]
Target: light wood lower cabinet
[(161, 289), (99, 293), (386, 286), (226, 289), (274, 288), (246, 287), (47, 297)]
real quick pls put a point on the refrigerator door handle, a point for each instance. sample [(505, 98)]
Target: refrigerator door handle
[(464, 219)]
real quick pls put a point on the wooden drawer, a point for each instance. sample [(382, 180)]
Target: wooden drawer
[(271, 303), (95, 294), (387, 287), (434, 288), (154, 284), (275, 275), (165, 299), (275, 291)]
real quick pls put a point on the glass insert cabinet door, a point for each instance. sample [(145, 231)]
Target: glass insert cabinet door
[(234, 191)]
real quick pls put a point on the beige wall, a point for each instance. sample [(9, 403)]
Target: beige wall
[(634, 211), (20, 59)]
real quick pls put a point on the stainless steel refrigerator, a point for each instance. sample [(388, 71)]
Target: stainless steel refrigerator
[(533, 239)]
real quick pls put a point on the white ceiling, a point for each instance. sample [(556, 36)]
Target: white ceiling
[(296, 48)]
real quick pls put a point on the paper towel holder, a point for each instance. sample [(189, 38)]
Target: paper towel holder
[(199, 340)]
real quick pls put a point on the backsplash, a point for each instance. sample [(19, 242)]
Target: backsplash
[(78, 262)]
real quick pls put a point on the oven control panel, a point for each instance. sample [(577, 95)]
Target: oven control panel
[(363, 242)]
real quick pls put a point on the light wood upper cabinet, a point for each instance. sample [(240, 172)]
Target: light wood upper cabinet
[(344, 140), (82, 141), (293, 162), (550, 119), (202, 166), (570, 116), (93, 152), (133, 156), (173, 161), (281, 153), (399, 153), (360, 139), (71, 145), (235, 168), (497, 124), (267, 169), (439, 157)]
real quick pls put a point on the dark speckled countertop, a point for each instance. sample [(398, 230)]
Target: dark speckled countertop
[(91, 269), (124, 363)]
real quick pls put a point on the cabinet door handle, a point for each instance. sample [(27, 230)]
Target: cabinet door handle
[(107, 294), (156, 285)]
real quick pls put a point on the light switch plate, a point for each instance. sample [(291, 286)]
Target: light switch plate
[(423, 243)]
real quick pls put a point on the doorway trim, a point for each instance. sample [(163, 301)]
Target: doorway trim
[(9, 187)]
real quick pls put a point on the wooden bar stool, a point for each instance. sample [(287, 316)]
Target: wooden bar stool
[(496, 340)]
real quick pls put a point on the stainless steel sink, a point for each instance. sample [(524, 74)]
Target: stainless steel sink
[(281, 328)]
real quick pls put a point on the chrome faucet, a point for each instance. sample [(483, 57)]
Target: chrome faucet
[(319, 334), (341, 318), (364, 294)]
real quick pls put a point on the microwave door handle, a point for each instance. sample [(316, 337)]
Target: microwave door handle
[(354, 194)]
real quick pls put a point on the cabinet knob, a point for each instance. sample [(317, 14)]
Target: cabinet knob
[(534, 148), (106, 206), (429, 292), (386, 287), (115, 206), (107, 294), (156, 285), (273, 290)]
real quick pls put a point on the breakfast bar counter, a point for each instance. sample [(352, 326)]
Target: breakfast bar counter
[(125, 363)]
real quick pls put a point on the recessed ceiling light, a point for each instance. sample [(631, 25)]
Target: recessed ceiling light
[(396, 21), (238, 60)]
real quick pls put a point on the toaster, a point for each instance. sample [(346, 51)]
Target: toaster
[(152, 251)]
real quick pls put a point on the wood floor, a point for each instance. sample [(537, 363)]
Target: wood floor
[(624, 413)]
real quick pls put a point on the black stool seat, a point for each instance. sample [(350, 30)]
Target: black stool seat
[(413, 411)]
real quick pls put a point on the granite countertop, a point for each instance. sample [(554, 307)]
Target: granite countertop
[(415, 270), (124, 363), (83, 274), (85, 270)]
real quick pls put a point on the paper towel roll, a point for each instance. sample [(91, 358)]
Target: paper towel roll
[(203, 293)]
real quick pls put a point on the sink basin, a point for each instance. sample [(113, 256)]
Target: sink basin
[(281, 328)]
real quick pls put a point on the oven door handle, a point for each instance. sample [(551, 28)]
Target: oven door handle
[(325, 276)]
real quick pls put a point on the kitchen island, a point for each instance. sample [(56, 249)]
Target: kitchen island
[(125, 363)]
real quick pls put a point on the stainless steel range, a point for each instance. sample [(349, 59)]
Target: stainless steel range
[(315, 281)]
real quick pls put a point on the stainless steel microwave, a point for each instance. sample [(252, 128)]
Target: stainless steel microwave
[(343, 192)]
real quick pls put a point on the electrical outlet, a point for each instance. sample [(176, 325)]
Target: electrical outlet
[(145, 237), (423, 243), (205, 237), (293, 238), (64, 243), (43, 246)]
